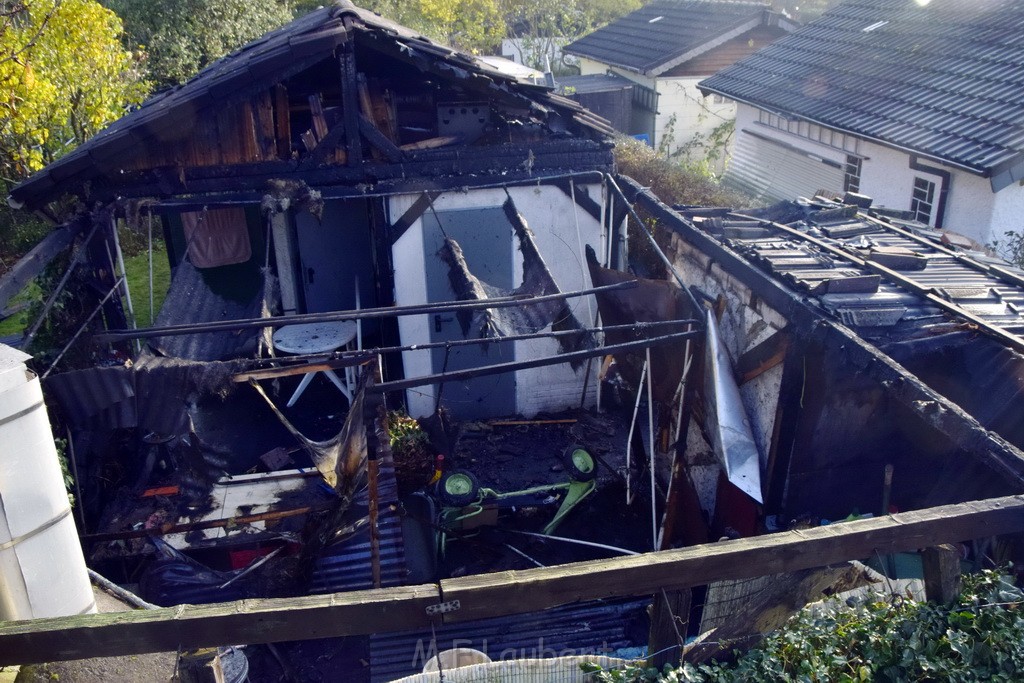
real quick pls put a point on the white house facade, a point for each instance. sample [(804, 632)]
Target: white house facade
[(913, 105), (666, 48)]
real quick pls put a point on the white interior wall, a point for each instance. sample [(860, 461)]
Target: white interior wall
[(552, 217)]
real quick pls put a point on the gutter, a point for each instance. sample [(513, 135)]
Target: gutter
[(984, 173)]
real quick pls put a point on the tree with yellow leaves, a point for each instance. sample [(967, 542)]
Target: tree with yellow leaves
[(471, 25), (64, 75)]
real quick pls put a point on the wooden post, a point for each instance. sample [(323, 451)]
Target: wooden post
[(941, 566), (670, 615)]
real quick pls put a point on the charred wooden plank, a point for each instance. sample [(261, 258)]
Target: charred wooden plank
[(263, 114), (350, 103), (316, 111), (327, 145), (411, 215), (33, 263), (763, 357), (379, 141), (282, 122)]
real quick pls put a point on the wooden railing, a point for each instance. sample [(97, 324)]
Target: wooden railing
[(492, 595)]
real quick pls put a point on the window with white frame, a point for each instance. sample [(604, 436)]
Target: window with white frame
[(922, 200)]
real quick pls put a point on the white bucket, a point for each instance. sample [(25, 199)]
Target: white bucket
[(455, 658), (42, 570)]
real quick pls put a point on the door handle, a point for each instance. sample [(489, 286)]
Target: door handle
[(309, 275), (438, 320)]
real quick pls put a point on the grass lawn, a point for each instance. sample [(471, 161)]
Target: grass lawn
[(137, 268)]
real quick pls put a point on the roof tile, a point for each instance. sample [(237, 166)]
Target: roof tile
[(945, 79)]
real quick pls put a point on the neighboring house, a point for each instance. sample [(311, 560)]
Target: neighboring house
[(665, 48), (917, 105)]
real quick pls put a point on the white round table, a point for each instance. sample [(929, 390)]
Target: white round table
[(307, 338)]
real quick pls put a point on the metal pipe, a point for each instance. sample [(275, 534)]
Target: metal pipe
[(515, 366), (334, 316), (622, 551), (629, 439), (111, 587), (650, 458), (82, 328)]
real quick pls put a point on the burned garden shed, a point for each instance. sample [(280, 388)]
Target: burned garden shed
[(360, 219)]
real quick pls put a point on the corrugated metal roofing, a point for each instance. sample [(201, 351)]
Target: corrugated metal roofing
[(590, 628), (945, 79), (191, 300), (663, 30), (348, 566)]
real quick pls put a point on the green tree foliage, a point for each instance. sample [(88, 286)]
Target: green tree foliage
[(541, 25), (180, 37), (64, 75), (472, 25)]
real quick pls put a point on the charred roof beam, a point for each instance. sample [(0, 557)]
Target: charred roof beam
[(810, 323)]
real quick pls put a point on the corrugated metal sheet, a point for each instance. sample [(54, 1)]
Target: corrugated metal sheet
[(592, 628), (765, 169), (942, 78), (348, 566), (190, 300)]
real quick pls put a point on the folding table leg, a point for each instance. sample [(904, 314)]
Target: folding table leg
[(342, 386), (306, 379)]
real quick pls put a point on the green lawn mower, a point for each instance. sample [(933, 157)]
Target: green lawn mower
[(463, 499)]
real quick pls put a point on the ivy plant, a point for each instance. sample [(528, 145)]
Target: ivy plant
[(980, 637)]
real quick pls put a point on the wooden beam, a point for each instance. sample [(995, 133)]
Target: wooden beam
[(498, 594), (327, 144), (301, 369), (379, 141), (272, 516), (941, 567), (411, 215), (190, 626), (516, 592), (350, 103), (762, 358), (32, 263)]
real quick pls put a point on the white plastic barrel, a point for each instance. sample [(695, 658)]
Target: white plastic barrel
[(42, 570)]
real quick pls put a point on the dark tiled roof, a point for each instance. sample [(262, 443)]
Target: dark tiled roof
[(591, 83), (641, 41), (945, 80)]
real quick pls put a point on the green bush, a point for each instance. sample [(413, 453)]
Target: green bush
[(980, 637), (671, 180)]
